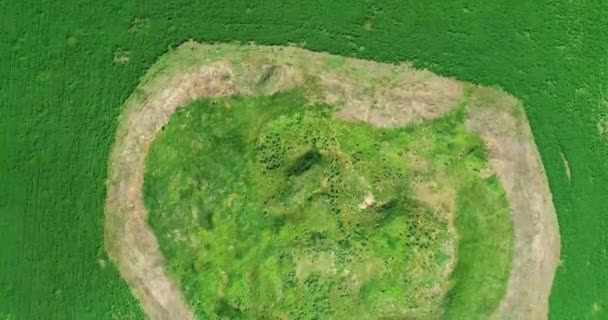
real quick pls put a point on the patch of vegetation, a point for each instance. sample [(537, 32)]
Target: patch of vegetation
[(61, 92), (478, 282), (268, 207)]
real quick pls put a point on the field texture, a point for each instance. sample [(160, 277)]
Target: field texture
[(68, 66), (268, 207)]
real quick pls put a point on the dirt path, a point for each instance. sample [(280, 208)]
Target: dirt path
[(129, 240), (380, 94), (504, 129)]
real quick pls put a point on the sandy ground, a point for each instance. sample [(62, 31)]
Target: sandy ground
[(380, 94)]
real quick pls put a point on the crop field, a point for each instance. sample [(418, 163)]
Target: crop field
[(67, 67)]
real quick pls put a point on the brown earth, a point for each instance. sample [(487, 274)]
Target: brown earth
[(380, 94), (513, 155), (129, 241)]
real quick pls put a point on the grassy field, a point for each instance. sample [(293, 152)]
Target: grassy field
[(67, 67), (267, 207)]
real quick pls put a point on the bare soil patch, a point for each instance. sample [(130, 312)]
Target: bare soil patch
[(380, 94), (129, 241), (501, 124)]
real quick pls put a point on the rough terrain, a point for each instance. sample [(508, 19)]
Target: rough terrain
[(513, 155), (380, 94)]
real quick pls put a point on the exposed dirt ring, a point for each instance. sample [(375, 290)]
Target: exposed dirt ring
[(387, 95)]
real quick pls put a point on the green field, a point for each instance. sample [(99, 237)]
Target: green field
[(259, 206), (67, 67)]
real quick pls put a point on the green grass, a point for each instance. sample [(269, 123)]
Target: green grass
[(257, 206), (479, 282), (60, 93)]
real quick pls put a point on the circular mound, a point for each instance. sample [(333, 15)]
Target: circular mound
[(465, 151), (270, 208)]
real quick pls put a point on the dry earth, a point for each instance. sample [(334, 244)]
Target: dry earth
[(380, 94), (513, 155)]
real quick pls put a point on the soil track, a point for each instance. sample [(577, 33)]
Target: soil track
[(129, 241), (513, 155), (380, 94)]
